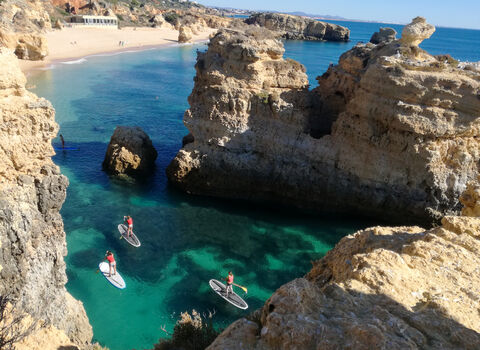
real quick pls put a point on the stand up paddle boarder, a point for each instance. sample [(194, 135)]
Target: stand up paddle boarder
[(111, 263), (63, 141), (229, 280), (129, 221)]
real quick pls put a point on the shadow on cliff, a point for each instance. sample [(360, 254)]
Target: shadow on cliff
[(376, 321)]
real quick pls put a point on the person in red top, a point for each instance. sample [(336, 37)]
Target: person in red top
[(111, 262), (130, 225), (229, 281)]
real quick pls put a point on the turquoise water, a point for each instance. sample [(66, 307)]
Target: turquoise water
[(185, 240)]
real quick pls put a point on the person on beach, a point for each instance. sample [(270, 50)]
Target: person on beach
[(63, 141), (129, 221), (229, 280), (111, 263)]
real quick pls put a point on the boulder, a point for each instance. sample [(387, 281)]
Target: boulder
[(384, 35), (58, 24), (416, 32), (130, 152), (184, 34)]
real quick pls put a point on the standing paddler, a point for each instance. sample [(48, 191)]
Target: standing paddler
[(229, 280)]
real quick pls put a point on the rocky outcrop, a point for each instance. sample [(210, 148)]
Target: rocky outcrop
[(32, 191), (159, 21), (129, 152), (22, 25), (389, 131), (384, 35), (380, 288), (417, 31), (184, 34), (299, 28)]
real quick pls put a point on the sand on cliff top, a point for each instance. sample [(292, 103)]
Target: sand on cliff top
[(72, 43)]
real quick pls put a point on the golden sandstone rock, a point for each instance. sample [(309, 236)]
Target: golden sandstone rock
[(22, 25), (390, 130), (380, 288), (184, 34), (129, 152), (32, 191)]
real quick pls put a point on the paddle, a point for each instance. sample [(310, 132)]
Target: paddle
[(239, 286), (242, 287)]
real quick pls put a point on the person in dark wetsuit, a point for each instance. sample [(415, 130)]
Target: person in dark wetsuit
[(111, 263), (63, 141), (229, 281)]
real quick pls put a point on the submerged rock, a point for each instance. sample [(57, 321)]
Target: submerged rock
[(380, 288), (384, 35), (390, 131), (129, 152), (299, 28)]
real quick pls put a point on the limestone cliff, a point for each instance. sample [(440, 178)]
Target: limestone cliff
[(22, 25), (389, 131), (381, 288), (299, 28), (32, 191)]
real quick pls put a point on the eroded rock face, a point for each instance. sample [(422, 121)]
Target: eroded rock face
[(380, 288), (159, 21), (299, 28), (129, 152), (22, 25), (416, 32), (32, 191), (384, 35), (184, 34), (389, 131)]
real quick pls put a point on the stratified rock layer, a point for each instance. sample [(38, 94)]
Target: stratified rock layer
[(381, 288), (299, 28), (129, 152), (32, 191), (389, 131)]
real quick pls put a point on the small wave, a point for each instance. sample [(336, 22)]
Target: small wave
[(81, 60), (50, 66), (133, 50)]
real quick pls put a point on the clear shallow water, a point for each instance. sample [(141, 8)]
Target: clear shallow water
[(185, 240)]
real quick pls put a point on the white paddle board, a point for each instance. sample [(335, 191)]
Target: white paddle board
[(233, 298), (116, 280), (133, 240)]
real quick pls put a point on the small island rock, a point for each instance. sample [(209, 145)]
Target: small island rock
[(129, 152), (299, 28), (184, 34), (384, 35)]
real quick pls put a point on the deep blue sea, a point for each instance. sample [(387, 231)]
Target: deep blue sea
[(185, 240)]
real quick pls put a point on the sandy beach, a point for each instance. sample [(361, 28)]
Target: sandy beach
[(73, 43)]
